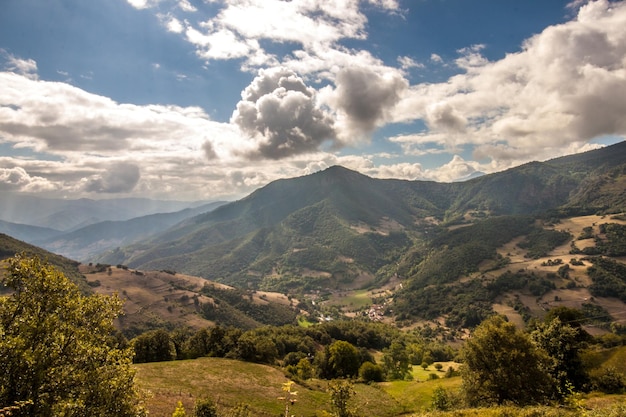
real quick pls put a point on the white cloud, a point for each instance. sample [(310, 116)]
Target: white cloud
[(566, 87), (186, 6), (407, 63), (436, 58), (97, 140), (17, 179), (121, 177), (25, 67), (280, 114), (143, 4), (172, 24), (240, 27)]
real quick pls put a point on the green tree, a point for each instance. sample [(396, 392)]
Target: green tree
[(304, 369), (370, 372), (501, 364), (441, 399), (154, 346), (256, 348), (340, 393), (563, 344), (344, 359), (396, 361), (57, 352)]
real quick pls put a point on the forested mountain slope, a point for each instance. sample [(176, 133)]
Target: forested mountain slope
[(340, 228)]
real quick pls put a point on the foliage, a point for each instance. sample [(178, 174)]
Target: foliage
[(344, 360), (541, 241), (441, 399), (255, 348), (502, 365), (563, 343), (614, 242), (153, 346), (241, 410), (57, 353), (609, 278), (235, 307), (341, 392), (370, 372), (205, 408), (609, 380), (180, 410), (460, 251), (396, 361)]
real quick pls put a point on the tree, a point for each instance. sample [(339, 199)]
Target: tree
[(340, 393), (396, 361), (304, 369), (154, 346), (562, 343), (501, 364), (370, 372), (344, 359), (58, 355)]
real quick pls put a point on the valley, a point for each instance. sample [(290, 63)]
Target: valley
[(231, 300)]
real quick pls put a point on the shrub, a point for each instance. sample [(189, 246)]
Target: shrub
[(609, 380), (370, 372)]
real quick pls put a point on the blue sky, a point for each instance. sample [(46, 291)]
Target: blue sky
[(211, 99)]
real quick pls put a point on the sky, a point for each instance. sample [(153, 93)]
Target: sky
[(212, 99)]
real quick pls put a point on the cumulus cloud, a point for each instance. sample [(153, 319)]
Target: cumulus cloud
[(565, 87), (17, 179), (118, 178), (58, 118), (364, 98), (278, 111)]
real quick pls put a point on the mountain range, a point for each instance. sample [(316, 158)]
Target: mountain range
[(445, 247), (338, 224)]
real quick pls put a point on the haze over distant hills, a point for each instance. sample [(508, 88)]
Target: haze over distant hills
[(94, 226), (67, 215)]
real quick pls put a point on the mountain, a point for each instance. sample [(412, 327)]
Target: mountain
[(26, 232), (67, 215), (341, 229), (10, 246), (83, 243)]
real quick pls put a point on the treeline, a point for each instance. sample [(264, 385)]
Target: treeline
[(610, 241), (327, 350)]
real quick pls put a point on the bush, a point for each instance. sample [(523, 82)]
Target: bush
[(609, 380), (370, 372), (205, 408)]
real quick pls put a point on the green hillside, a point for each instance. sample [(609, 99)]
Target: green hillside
[(340, 230), (9, 247)]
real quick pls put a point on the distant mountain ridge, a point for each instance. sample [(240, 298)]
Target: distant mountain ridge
[(68, 215), (85, 242), (336, 225)]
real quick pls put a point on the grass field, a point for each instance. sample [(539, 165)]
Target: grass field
[(230, 383)]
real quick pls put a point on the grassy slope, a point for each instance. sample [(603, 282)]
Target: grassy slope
[(157, 299), (230, 382)]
